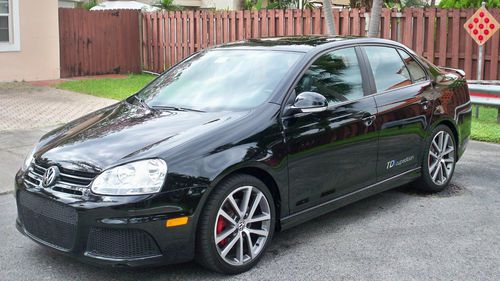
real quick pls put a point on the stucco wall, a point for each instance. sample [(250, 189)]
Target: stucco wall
[(38, 58), (221, 4)]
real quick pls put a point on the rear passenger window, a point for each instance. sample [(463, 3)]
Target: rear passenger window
[(389, 71), (416, 71)]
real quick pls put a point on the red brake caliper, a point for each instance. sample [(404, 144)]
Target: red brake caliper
[(221, 224)]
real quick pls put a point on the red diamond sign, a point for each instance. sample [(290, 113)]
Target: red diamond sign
[(481, 26)]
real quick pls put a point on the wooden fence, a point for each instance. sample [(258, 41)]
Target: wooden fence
[(99, 42), (437, 34)]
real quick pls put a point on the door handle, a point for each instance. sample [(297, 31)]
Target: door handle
[(368, 120)]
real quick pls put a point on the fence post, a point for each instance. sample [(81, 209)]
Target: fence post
[(141, 42), (480, 55)]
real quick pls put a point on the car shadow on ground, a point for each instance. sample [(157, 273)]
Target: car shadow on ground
[(282, 244), (452, 189)]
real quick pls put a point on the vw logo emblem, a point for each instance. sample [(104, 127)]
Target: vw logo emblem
[(50, 176)]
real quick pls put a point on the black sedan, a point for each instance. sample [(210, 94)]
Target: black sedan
[(236, 142)]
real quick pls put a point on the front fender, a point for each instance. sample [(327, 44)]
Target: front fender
[(219, 166), (251, 160)]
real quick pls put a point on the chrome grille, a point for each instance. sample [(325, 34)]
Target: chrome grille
[(69, 181)]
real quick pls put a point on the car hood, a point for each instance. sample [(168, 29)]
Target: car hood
[(125, 132)]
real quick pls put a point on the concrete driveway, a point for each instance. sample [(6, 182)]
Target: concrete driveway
[(24, 106), (27, 112), (396, 235)]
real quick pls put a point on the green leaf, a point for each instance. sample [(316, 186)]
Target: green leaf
[(258, 5), (274, 5)]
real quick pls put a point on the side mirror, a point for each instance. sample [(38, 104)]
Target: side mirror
[(309, 102)]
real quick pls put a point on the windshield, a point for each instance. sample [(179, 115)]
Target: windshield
[(220, 80)]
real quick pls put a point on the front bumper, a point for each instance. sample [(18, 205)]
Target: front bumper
[(110, 230)]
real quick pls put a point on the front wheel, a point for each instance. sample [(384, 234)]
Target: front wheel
[(236, 225), (438, 161)]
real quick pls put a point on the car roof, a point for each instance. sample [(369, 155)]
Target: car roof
[(303, 43)]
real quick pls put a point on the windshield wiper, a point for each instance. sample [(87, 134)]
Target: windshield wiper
[(142, 102), (176, 108)]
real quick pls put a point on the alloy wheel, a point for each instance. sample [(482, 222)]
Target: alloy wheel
[(441, 157), (242, 225)]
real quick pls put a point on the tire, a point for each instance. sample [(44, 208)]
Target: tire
[(220, 218), (439, 159)]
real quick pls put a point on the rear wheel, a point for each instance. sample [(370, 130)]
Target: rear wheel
[(236, 226), (438, 161)]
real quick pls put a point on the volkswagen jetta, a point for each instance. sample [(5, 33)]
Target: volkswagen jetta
[(239, 141)]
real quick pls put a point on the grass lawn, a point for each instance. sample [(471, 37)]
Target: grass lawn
[(112, 88), (485, 128)]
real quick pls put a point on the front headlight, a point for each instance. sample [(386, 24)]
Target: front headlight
[(28, 159), (141, 177)]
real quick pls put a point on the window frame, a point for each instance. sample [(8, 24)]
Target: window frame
[(360, 66), (14, 43), (365, 76), (396, 47), (369, 67), (399, 50)]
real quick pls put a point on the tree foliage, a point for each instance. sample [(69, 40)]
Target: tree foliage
[(406, 4), (360, 3), (400, 4), (277, 4), (468, 3), (89, 5), (168, 5)]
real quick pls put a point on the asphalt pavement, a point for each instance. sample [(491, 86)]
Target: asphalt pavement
[(395, 235)]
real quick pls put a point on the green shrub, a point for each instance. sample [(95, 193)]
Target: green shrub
[(168, 5), (89, 5), (468, 3)]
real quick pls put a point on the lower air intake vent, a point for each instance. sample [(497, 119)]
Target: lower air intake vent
[(121, 243)]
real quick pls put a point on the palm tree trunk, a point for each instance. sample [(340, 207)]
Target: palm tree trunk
[(327, 9), (374, 26)]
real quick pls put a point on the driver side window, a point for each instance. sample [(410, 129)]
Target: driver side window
[(335, 75)]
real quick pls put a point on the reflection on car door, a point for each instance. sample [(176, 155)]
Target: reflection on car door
[(334, 152), (404, 102)]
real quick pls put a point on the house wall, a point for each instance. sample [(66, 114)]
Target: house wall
[(203, 4), (221, 4), (38, 58), (69, 3)]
